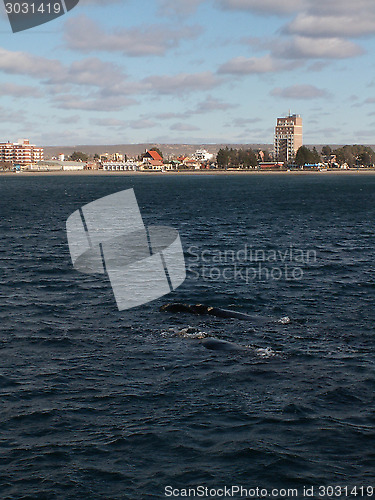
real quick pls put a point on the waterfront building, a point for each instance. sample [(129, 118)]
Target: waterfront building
[(120, 165), (116, 157), (20, 153), (202, 155), (152, 160), (56, 165), (271, 165), (288, 137)]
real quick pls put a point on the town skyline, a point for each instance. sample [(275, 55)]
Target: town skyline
[(191, 72)]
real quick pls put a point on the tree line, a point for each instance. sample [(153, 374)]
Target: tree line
[(239, 158), (354, 155)]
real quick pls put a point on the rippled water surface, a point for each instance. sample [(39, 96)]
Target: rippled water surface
[(102, 404)]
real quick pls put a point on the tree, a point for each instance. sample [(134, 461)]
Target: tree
[(252, 159), (365, 159), (243, 159), (326, 151), (345, 155), (315, 156), (78, 156), (303, 156), (222, 158)]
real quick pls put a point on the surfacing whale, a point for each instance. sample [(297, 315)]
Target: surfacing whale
[(200, 309), (221, 345)]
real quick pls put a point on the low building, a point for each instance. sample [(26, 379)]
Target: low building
[(73, 165), (55, 165), (152, 155), (152, 161), (44, 166), (91, 166), (116, 157), (114, 166), (152, 165), (271, 165), (202, 155)]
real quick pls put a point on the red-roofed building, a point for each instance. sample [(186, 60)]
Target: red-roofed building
[(152, 160), (271, 165), (152, 155)]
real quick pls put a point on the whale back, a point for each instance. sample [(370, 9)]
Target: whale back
[(215, 344)]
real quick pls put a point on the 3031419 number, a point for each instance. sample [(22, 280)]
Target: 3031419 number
[(33, 8), (25, 14)]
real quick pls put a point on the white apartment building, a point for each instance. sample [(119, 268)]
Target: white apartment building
[(20, 153)]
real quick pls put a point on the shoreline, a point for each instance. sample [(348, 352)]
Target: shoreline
[(183, 173)]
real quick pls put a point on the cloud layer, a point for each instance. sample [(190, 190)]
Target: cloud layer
[(188, 65)]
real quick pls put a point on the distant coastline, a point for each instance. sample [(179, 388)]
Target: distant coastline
[(143, 173)]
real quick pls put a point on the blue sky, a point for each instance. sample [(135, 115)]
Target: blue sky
[(191, 71)]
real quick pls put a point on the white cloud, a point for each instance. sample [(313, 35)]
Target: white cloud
[(14, 90), (142, 123), (304, 47), (91, 71), (208, 105), (337, 7), (336, 25), (92, 102), (211, 104), (331, 17), (315, 48), (180, 7), (243, 122), (272, 7), (21, 63), (82, 34), (184, 127), (253, 65), (170, 116), (181, 83), (300, 92), (110, 122), (11, 115), (69, 119)]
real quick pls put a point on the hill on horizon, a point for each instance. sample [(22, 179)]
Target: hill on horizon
[(133, 150)]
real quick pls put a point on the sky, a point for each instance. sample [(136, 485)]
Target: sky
[(191, 71)]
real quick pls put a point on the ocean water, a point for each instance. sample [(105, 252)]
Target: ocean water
[(102, 404)]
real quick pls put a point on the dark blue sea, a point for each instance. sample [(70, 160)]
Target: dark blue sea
[(102, 404)]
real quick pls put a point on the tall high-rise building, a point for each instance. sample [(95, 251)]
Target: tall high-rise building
[(288, 137), (20, 153)]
